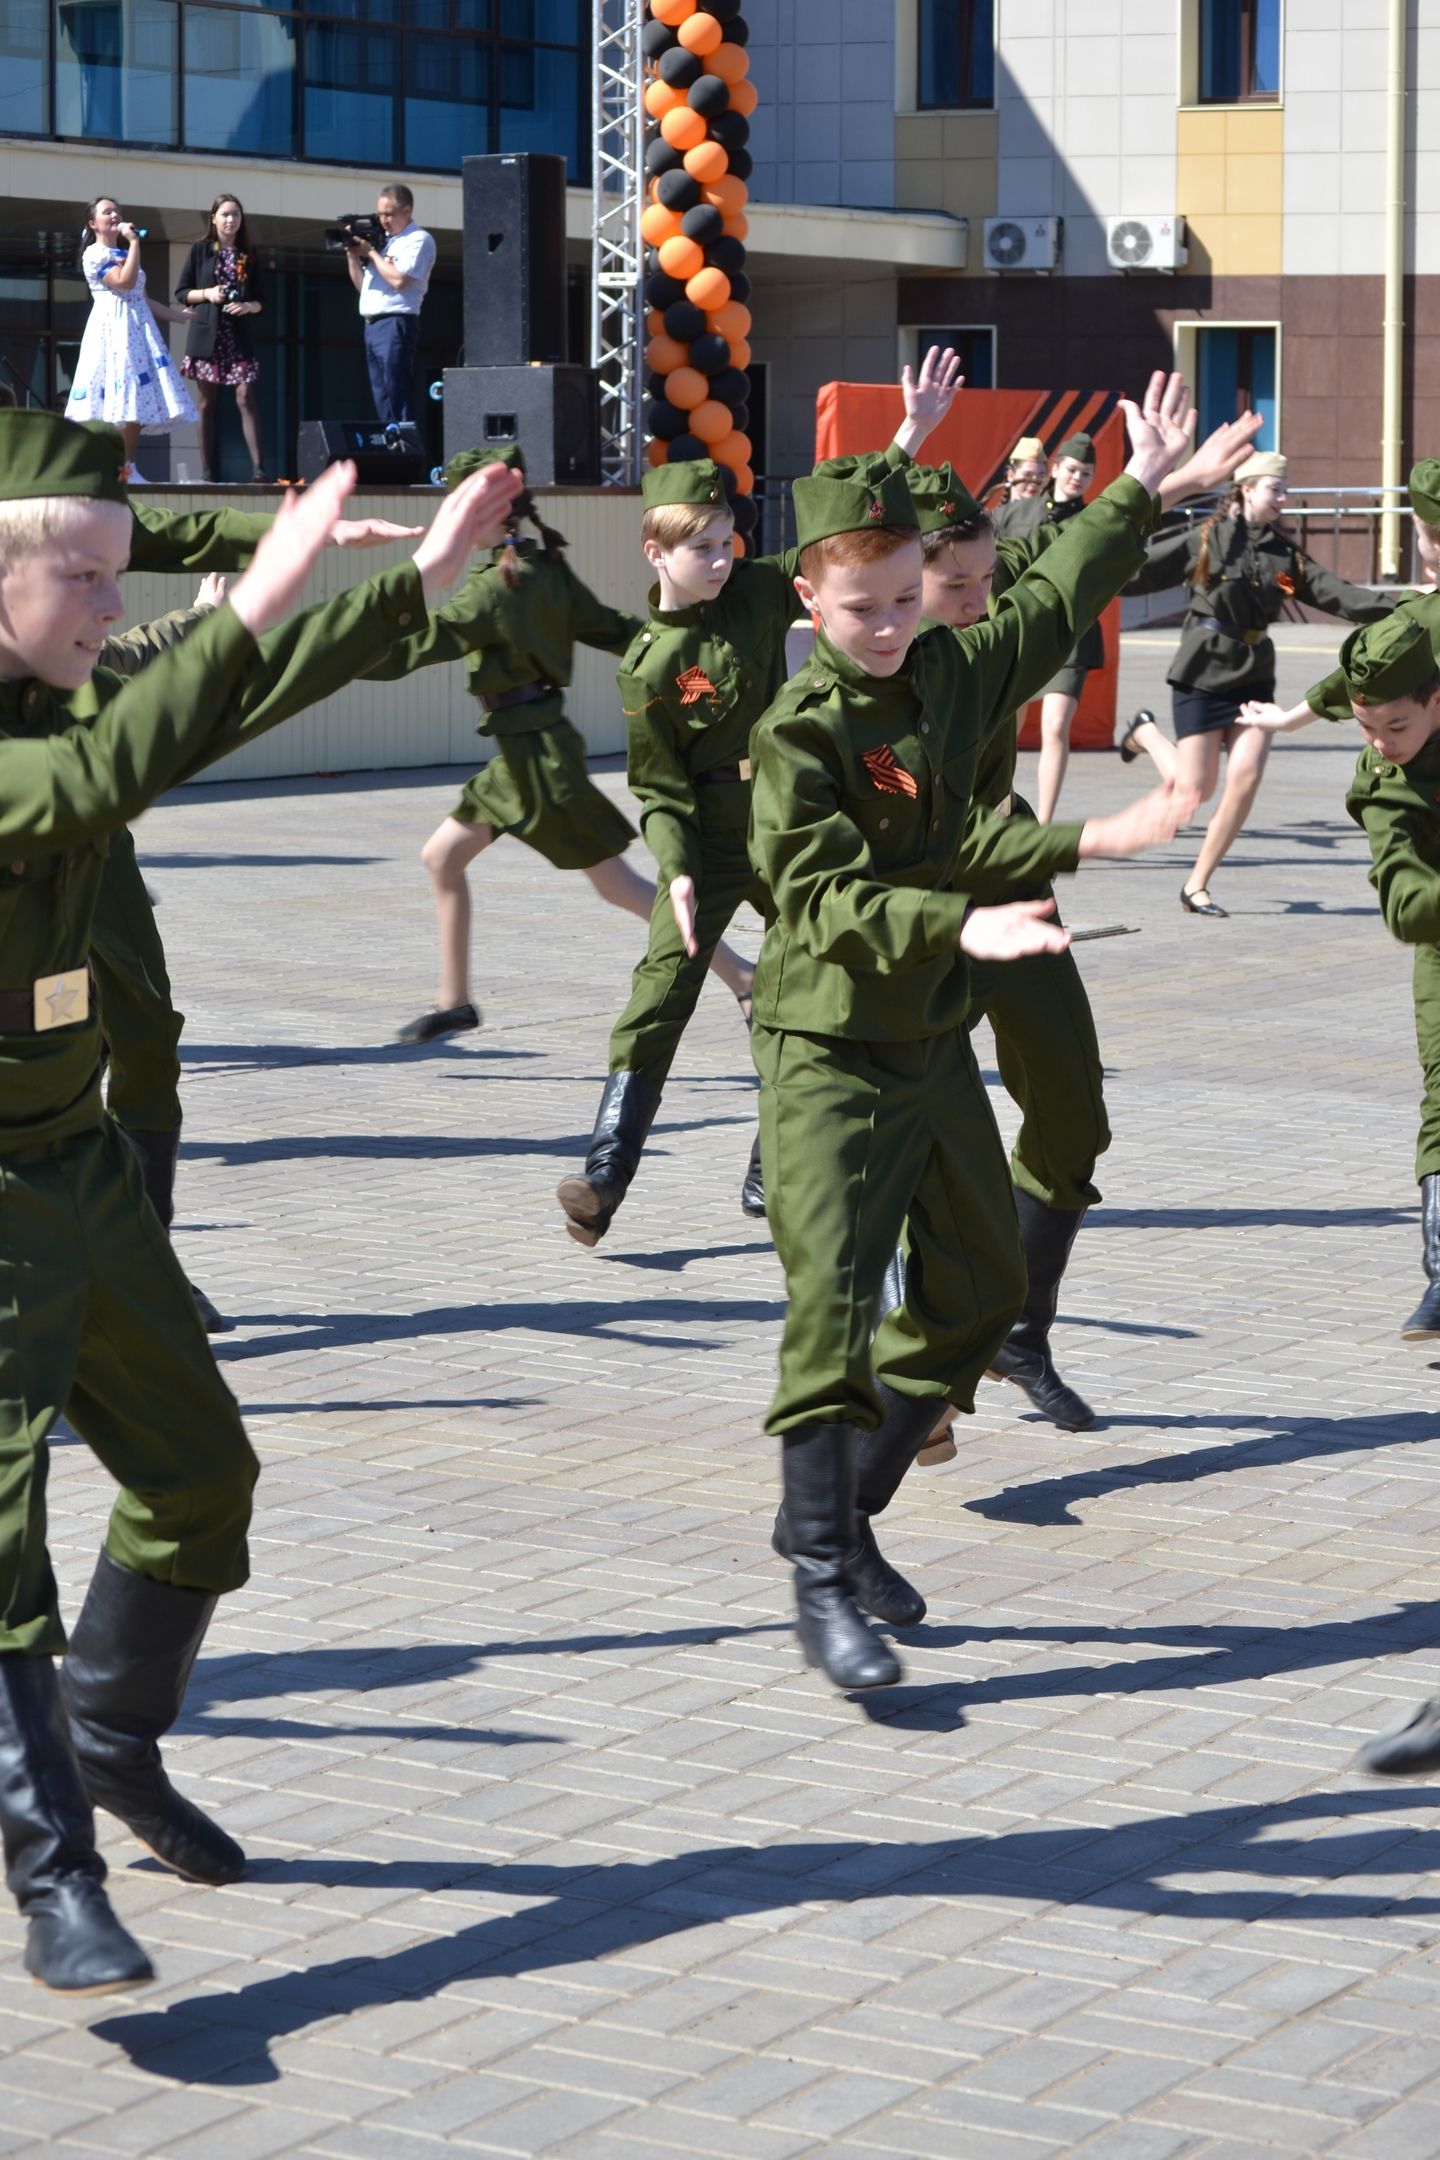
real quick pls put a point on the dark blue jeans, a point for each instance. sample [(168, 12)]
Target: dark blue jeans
[(390, 342)]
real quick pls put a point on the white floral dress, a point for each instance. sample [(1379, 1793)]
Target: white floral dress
[(124, 372)]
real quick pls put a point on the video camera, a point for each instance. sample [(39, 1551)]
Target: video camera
[(347, 232)]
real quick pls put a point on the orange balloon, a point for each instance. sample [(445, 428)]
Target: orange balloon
[(701, 34), (664, 353), (732, 319), (711, 421), (687, 388), (728, 195), (739, 352), (661, 98), (657, 224), (744, 479), (737, 545), (737, 225), (652, 193), (657, 452), (730, 62), (681, 258), (744, 98), (707, 162), (654, 322), (681, 127), (709, 289), (673, 12), (733, 448)]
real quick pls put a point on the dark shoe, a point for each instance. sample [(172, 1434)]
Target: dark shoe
[(434, 1025), (1192, 906), (123, 1681), (159, 1153), (75, 1944), (940, 1447), (260, 479), (1047, 1235), (1407, 1749), (1424, 1322), (1124, 729), (818, 1467), (622, 1123), (752, 1192)]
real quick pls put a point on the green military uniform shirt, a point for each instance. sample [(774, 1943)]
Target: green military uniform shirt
[(1021, 520), (1253, 571), (198, 540), (1398, 807)]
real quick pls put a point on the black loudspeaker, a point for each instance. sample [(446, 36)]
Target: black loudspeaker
[(384, 456), (552, 412), (514, 259)]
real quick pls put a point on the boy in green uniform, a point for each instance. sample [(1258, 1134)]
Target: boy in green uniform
[(873, 1118), (694, 683), (96, 1319)]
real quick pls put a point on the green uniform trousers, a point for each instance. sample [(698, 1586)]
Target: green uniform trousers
[(1049, 1060), (537, 788), (666, 986), (859, 1142), (97, 1321), (1427, 1035), (137, 1014)]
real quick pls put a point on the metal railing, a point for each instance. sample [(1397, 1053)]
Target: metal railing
[(1331, 522)]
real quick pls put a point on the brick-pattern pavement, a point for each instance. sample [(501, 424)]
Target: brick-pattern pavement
[(557, 1848)]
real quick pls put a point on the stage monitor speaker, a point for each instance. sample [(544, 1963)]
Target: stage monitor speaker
[(514, 259), (384, 456), (552, 412)]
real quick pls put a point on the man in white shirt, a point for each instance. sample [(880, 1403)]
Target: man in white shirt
[(391, 282)]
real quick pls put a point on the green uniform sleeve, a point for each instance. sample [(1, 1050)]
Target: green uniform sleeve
[(1321, 588), (1004, 858), (202, 540), (466, 625), (656, 770), (593, 622), (130, 650), (1330, 698), (1014, 557), (1169, 559), (1401, 830)]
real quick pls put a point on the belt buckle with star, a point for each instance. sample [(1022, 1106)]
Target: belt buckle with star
[(61, 1000)]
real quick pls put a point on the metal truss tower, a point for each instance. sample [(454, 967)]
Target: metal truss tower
[(618, 258)]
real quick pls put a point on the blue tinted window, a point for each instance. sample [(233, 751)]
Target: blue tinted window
[(1236, 370), (115, 70), (447, 102), (975, 347), (349, 99), (540, 106), (239, 81), (1239, 50), (957, 53), (24, 70)]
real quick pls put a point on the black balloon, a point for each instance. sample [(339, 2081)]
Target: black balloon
[(746, 513), (664, 419), (662, 290), (731, 130), (680, 68), (724, 11), (739, 285), (709, 96), (742, 165), (683, 320), (710, 352), (685, 447), (663, 157), (730, 484), (737, 30), (731, 386), (677, 190), (654, 385), (740, 414), (724, 252), (657, 38), (704, 223)]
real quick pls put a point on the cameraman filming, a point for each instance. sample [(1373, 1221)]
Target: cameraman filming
[(391, 282)]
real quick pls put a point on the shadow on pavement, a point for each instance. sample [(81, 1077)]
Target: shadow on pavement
[(305, 1333)]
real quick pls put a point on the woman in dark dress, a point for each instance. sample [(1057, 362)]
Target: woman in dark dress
[(220, 344)]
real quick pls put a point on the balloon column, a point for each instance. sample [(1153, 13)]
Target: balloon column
[(699, 99)]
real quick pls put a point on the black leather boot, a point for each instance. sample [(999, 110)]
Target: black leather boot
[(881, 1459), (159, 1152), (123, 1681), (1425, 1320), (75, 1943), (752, 1192), (818, 1464), (1047, 1234), (627, 1111), (940, 1446)]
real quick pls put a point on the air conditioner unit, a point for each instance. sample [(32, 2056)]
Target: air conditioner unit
[(1146, 243), (1022, 243)]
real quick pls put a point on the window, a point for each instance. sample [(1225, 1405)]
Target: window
[(1239, 51), (1235, 371), (24, 69), (115, 70), (447, 102), (349, 101), (976, 348), (239, 81), (957, 54)]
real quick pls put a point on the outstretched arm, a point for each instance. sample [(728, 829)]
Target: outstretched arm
[(928, 396)]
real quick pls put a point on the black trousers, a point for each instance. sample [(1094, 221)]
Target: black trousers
[(390, 342)]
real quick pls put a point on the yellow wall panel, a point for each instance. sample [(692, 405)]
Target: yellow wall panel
[(1229, 184)]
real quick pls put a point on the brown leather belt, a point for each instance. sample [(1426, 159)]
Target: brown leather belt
[(723, 775), (54, 1001), (529, 693)]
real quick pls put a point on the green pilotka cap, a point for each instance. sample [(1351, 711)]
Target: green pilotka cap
[(942, 500), (851, 494), (1387, 659), (41, 454), (1425, 490), (1080, 447), (466, 462), (689, 480)]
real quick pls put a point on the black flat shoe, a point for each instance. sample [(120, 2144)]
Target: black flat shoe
[(1192, 906), (1408, 1749), (1124, 731), (431, 1026)]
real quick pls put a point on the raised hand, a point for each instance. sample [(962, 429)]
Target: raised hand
[(1013, 931), (930, 394), (268, 591), (212, 591), (472, 515), (682, 907), (1147, 822), (1161, 429), (1214, 460)]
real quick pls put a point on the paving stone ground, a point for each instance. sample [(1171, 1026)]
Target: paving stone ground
[(557, 1848)]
